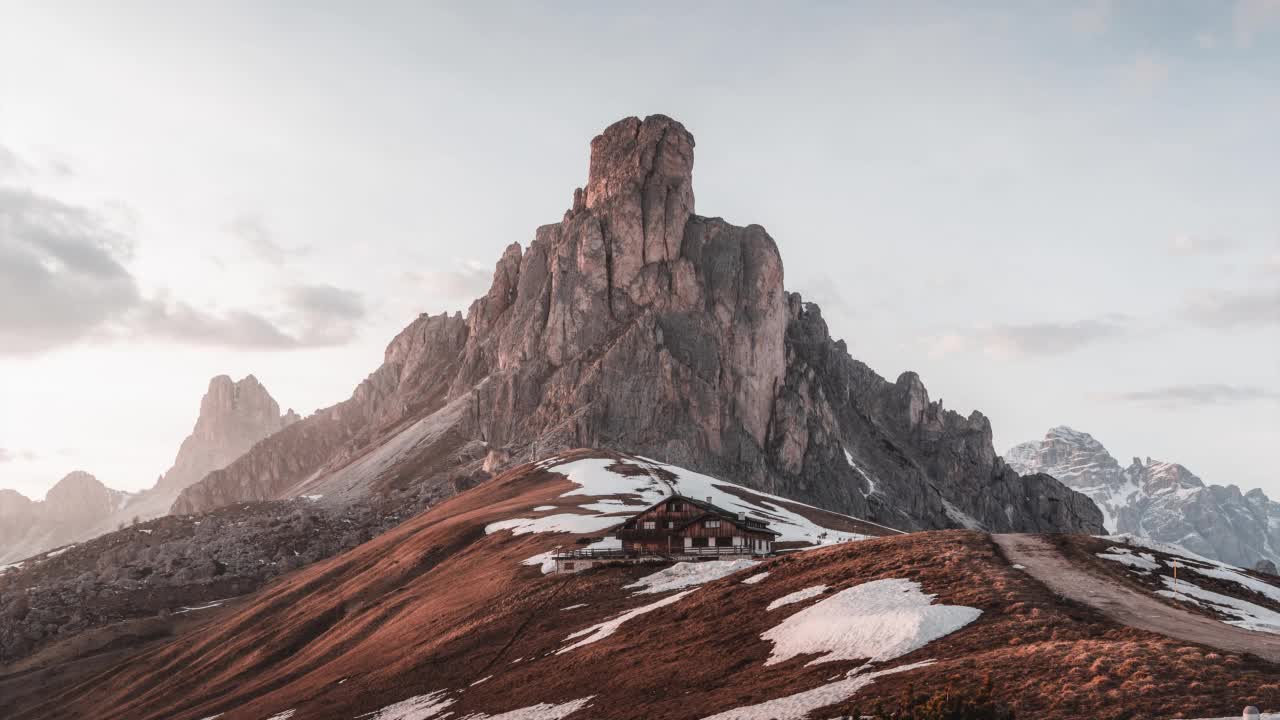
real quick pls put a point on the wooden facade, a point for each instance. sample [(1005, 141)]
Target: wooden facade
[(681, 525)]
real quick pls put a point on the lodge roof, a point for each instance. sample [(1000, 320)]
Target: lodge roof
[(740, 519)]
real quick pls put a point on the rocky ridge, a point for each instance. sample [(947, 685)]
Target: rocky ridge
[(637, 325), (233, 416), (1160, 500)]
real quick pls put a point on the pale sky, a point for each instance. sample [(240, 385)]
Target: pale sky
[(1055, 213)]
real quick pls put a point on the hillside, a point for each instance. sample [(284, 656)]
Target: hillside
[(451, 615), (1163, 501)]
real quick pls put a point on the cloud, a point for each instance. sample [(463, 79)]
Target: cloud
[(329, 315), (62, 272), (253, 230), (1254, 17), (469, 281), (8, 455), (1092, 18), (178, 321), (1034, 339), (64, 278), (1206, 40), (1210, 394), (1225, 310), (1147, 72), (1196, 245)]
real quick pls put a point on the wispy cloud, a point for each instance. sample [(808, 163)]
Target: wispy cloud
[(262, 242), (64, 277), (1225, 310), (468, 281), (1252, 18), (1147, 72), (8, 455), (1200, 245), (1092, 18), (1037, 339), (1179, 396)]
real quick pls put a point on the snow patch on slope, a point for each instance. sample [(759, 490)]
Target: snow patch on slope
[(1248, 615), (1141, 561), (686, 574), (877, 621)]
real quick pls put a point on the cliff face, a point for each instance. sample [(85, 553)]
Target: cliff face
[(1161, 500), (636, 325)]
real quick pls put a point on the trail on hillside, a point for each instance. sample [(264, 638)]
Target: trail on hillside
[(1125, 605)]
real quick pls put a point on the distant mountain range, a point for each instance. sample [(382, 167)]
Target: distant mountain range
[(233, 416), (1160, 500)]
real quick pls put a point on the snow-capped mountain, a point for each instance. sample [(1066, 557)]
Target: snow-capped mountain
[(1161, 500)]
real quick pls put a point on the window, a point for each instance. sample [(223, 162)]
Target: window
[(675, 507), (650, 525), (671, 524), (712, 524)]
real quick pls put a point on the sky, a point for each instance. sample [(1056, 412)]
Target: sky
[(1056, 213)]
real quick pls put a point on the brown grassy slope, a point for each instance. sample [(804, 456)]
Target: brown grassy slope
[(438, 605)]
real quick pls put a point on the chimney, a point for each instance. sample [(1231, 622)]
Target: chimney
[(709, 500)]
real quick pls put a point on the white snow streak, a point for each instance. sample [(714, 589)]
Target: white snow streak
[(797, 596), (541, 711), (609, 627), (756, 578), (419, 707), (799, 705)]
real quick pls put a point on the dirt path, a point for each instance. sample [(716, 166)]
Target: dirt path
[(1128, 606)]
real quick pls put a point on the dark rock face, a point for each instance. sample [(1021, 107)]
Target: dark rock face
[(1160, 500), (636, 325)]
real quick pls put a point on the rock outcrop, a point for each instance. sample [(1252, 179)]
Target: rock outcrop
[(635, 324), (1160, 500)]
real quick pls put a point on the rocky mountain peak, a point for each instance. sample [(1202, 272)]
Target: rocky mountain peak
[(1161, 500), (233, 416), (80, 496), (635, 325)]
